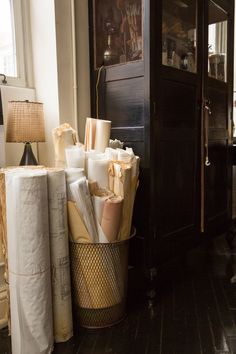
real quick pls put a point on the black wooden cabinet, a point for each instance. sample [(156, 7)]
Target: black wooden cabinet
[(165, 81)]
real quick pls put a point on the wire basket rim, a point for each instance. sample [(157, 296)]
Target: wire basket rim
[(133, 233)]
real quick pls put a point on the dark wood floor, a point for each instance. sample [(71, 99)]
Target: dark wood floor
[(195, 313)]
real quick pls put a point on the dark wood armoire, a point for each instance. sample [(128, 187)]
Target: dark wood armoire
[(162, 72)]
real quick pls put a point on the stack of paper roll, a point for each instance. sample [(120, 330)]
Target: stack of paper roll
[(104, 211), (36, 211)]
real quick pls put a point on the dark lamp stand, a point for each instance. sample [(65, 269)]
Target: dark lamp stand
[(28, 157)]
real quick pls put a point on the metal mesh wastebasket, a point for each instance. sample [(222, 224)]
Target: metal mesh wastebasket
[(99, 282)]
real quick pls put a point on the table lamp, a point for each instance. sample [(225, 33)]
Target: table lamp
[(25, 124)]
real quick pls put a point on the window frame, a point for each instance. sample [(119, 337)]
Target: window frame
[(21, 34)]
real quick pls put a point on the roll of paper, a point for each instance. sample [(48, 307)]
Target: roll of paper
[(31, 313), (72, 175), (122, 179), (63, 136), (75, 157), (102, 136), (98, 170), (112, 154), (111, 217), (98, 202), (81, 196), (90, 132), (61, 290), (29, 262), (78, 231)]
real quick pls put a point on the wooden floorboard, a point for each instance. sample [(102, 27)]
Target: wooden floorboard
[(195, 313)]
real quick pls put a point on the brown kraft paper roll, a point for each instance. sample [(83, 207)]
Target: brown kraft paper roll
[(111, 217)]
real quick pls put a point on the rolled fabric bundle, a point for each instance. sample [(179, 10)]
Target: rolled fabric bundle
[(29, 262), (58, 231), (81, 196), (102, 136), (98, 170), (90, 132), (75, 157), (72, 175), (111, 217), (63, 136), (78, 231)]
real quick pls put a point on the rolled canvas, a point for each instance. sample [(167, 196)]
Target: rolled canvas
[(58, 231)]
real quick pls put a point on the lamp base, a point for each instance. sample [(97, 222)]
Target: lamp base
[(28, 157)]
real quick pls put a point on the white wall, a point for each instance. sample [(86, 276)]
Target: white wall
[(83, 64), (42, 18), (52, 42)]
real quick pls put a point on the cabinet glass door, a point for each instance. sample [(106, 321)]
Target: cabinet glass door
[(118, 31), (179, 34), (217, 42)]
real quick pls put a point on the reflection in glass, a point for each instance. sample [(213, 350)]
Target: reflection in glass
[(179, 34), (217, 42), (117, 31)]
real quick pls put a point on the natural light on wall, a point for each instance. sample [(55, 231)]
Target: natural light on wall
[(7, 40)]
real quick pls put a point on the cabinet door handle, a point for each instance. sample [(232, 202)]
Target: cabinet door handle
[(206, 123)]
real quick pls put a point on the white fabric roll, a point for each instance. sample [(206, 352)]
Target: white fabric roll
[(98, 170), (29, 262), (102, 136), (72, 175), (81, 196), (61, 290), (75, 157)]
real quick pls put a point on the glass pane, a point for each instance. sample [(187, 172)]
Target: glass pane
[(217, 42), (7, 42), (117, 31), (179, 34)]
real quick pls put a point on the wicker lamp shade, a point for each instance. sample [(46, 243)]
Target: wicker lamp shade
[(25, 122)]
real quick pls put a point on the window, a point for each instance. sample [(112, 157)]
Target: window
[(12, 49)]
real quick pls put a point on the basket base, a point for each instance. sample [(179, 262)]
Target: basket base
[(101, 318)]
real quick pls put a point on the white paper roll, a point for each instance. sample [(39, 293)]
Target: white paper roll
[(81, 196), (29, 262), (75, 157), (72, 175), (90, 132), (112, 154), (27, 221), (61, 290), (102, 136), (98, 170), (31, 313)]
